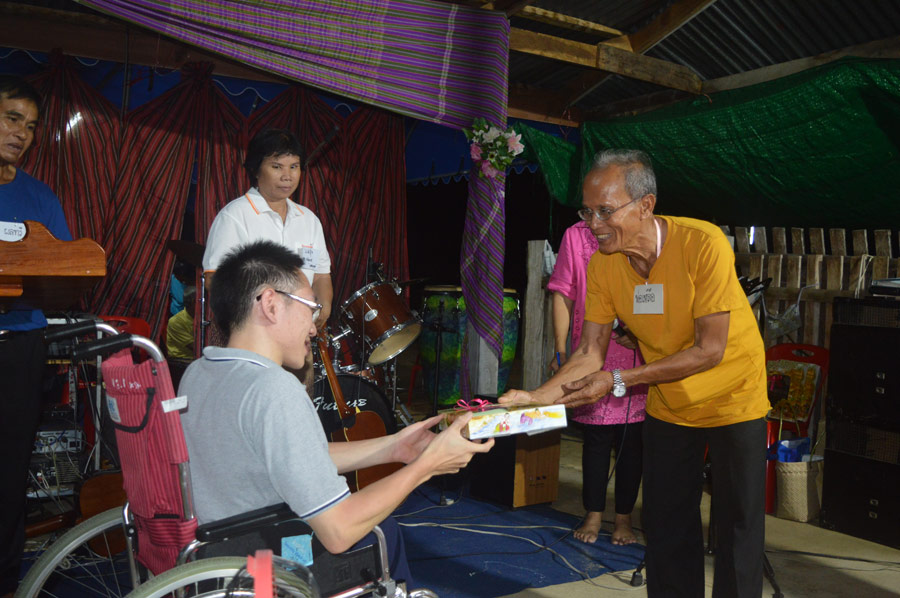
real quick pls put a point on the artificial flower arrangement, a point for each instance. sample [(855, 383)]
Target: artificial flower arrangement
[(492, 150)]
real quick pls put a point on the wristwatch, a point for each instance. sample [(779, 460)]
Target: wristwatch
[(618, 389)]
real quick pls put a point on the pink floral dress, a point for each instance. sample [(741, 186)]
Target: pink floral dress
[(570, 279)]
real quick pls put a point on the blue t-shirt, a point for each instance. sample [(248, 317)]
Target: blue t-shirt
[(26, 198)]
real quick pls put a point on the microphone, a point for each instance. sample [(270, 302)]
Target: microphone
[(328, 137)]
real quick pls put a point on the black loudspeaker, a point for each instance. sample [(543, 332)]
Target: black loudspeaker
[(864, 380), (861, 497)]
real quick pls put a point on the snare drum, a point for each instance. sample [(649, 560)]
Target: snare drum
[(386, 322)]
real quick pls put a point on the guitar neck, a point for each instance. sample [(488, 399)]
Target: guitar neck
[(343, 409)]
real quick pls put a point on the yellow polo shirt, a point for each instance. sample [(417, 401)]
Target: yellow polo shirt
[(696, 269)]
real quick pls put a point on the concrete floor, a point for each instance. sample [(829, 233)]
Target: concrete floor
[(852, 567)]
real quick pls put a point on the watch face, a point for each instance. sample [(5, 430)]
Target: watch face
[(619, 390)]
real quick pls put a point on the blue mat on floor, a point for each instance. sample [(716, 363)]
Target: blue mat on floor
[(461, 564)]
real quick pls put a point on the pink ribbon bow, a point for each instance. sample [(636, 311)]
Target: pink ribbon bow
[(472, 405)]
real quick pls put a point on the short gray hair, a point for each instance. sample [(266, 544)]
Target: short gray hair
[(640, 179)]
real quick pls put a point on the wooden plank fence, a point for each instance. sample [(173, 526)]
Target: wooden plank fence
[(792, 262)]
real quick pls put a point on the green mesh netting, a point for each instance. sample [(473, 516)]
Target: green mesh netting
[(818, 148)]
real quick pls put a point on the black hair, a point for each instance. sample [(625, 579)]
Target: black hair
[(271, 142), (14, 88), (244, 274)]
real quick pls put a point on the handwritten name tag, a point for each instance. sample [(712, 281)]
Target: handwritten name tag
[(12, 231), (648, 299)]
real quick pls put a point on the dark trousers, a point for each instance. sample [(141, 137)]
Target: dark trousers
[(673, 484), (396, 549), (21, 373), (598, 444)]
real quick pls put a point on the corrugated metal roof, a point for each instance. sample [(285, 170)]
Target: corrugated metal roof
[(729, 37)]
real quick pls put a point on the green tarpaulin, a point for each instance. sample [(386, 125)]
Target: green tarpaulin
[(814, 149)]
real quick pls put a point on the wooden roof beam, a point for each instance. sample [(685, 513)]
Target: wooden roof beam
[(510, 7), (672, 19), (607, 58), (556, 19)]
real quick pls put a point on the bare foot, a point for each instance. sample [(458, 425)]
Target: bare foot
[(590, 529), (623, 533)]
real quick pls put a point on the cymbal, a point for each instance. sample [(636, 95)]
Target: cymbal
[(412, 281), (187, 251)]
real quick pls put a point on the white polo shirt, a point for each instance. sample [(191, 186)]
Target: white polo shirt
[(249, 218)]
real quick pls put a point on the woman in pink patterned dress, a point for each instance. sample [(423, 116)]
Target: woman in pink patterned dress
[(611, 421)]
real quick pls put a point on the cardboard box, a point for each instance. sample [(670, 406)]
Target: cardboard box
[(492, 420)]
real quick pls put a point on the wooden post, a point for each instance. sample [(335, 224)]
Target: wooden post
[(814, 310), (533, 363)]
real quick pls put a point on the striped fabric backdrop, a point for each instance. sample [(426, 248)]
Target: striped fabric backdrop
[(430, 60), (75, 150), (157, 156)]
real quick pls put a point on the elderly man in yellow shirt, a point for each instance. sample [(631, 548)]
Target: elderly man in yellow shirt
[(672, 281)]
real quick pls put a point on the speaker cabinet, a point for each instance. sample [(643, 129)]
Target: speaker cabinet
[(520, 470), (864, 380), (861, 497)]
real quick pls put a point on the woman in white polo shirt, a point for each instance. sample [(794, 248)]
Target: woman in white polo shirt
[(266, 212)]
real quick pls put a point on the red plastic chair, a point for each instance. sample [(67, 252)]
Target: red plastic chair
[(803, 354), (130, 325)]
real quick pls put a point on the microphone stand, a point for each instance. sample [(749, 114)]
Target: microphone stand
[(438, 326)]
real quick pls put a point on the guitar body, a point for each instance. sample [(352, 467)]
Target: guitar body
[(367, 425), (357, 425)]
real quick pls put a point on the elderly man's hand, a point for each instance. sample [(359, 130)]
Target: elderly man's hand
[(516, 397), (587, 390)]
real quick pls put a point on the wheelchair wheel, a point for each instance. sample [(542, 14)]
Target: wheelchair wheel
[(88, 560), (215, 578)]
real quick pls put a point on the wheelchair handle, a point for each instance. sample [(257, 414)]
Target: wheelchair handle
[(67, 331), (113, 344)]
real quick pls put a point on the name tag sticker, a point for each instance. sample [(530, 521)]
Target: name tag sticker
[(298, 549), (12, 231), (174, 404), (310, 257), (648, 299), (113, 407)]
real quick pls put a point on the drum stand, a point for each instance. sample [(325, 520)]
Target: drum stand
[(399, 409)]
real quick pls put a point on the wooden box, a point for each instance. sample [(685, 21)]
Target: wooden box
[(520, 470)]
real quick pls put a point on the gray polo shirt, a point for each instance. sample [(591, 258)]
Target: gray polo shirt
[(254, 438)]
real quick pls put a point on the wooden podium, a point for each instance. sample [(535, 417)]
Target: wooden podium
[(40, 271), (520, 470)]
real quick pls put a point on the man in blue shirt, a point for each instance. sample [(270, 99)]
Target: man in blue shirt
[(22, 351)]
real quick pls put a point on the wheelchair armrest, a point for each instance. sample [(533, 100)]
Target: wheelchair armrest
[(237, 525)]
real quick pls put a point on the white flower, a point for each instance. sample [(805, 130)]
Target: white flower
[(491, 134)]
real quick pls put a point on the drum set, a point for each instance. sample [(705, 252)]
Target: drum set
[(376, 325)]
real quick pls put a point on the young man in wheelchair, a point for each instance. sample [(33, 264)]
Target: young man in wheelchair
[(253, 433)]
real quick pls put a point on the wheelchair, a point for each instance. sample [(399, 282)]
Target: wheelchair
[(153, 546)]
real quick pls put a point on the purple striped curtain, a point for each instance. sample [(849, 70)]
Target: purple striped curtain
[(429, 60)]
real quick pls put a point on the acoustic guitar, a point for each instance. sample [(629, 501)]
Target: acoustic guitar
[(355, 425)]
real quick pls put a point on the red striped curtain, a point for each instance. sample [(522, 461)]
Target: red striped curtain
[(157, 157), (76, 146)]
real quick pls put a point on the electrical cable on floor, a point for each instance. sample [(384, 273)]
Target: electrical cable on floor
[(540, 547)]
